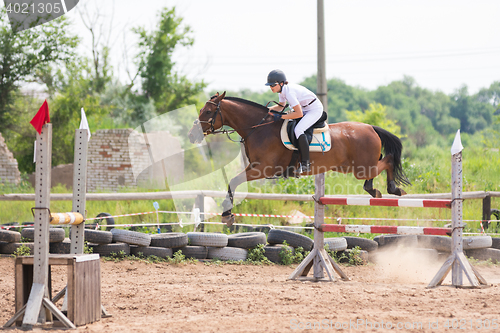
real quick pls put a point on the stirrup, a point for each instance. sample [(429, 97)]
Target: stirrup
[(305, 167)]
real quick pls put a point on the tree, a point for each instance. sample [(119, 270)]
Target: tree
[(376, 115), (70, 89), (168, 89), (24, 54), (472, 113), (341, 97), (490, 95), (101, 45)]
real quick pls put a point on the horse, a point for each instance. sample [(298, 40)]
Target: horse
[(356, 147)]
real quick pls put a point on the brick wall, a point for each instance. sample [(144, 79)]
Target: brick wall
[(121, 158), (9, 171)]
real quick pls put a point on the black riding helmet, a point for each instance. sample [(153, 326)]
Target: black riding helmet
[(275, 76)]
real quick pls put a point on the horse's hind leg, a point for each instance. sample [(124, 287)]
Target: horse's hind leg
[(387, 164), (368, 187), (393, 189)]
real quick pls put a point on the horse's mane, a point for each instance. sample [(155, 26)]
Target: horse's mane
[(244, 101)]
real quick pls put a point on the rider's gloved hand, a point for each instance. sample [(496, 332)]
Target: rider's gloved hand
[(277, 116)]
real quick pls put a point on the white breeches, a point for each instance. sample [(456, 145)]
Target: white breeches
[(309, 119)]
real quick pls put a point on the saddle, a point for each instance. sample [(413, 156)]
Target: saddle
[(317, 135)]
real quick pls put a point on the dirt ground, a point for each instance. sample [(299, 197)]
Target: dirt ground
[(200, 297)]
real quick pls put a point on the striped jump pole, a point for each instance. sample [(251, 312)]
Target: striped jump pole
[(385, 229), (385, 202), (346, 201)]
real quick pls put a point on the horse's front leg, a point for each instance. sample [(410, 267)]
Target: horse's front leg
[(252, 172), (227, 206)]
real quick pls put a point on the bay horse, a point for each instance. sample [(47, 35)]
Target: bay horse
[(356, 147)]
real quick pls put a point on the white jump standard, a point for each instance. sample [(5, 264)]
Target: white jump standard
[(457, 262)]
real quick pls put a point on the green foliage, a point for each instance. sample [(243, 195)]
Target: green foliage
[(178, 257), (126, 109), (116, 257), (289, 255), (302, 185), (473, 115), (21, 251), (46, 54), (169, 90), (25, 54), (299, 254), (87, 249), (341, 97), (376, 115), (351, 257), (257, 255)]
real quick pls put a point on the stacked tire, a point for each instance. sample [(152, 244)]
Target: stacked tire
[(276, 239), (216, 246), (57, 242), (477, 247), (10, 241), (104, 243), (344, 247), (435, 247)]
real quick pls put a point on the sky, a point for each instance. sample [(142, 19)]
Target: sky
[(442, 44)]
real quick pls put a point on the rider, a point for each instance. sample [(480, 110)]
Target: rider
[(305, 105)]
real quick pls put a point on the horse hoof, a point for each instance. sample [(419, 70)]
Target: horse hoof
[(399, 192), (228, 219), (374, 193)]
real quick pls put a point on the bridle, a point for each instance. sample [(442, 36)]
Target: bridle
[(212, 120)]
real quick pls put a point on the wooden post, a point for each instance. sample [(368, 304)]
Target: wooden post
[(457, 262), (322, 87)]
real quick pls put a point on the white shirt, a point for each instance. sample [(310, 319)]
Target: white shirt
[(296, 94)]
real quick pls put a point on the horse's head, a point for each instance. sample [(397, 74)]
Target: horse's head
[(210, 119)]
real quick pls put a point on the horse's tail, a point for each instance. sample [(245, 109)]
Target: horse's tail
[(392, 146)]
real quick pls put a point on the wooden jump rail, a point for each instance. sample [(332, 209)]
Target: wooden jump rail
[(457, 263)]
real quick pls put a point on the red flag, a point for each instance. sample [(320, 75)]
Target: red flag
[(41, 117)]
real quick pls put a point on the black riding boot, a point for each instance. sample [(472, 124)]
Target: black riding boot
[(305, 166)]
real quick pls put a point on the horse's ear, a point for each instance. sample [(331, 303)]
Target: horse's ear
[(222, 96)]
